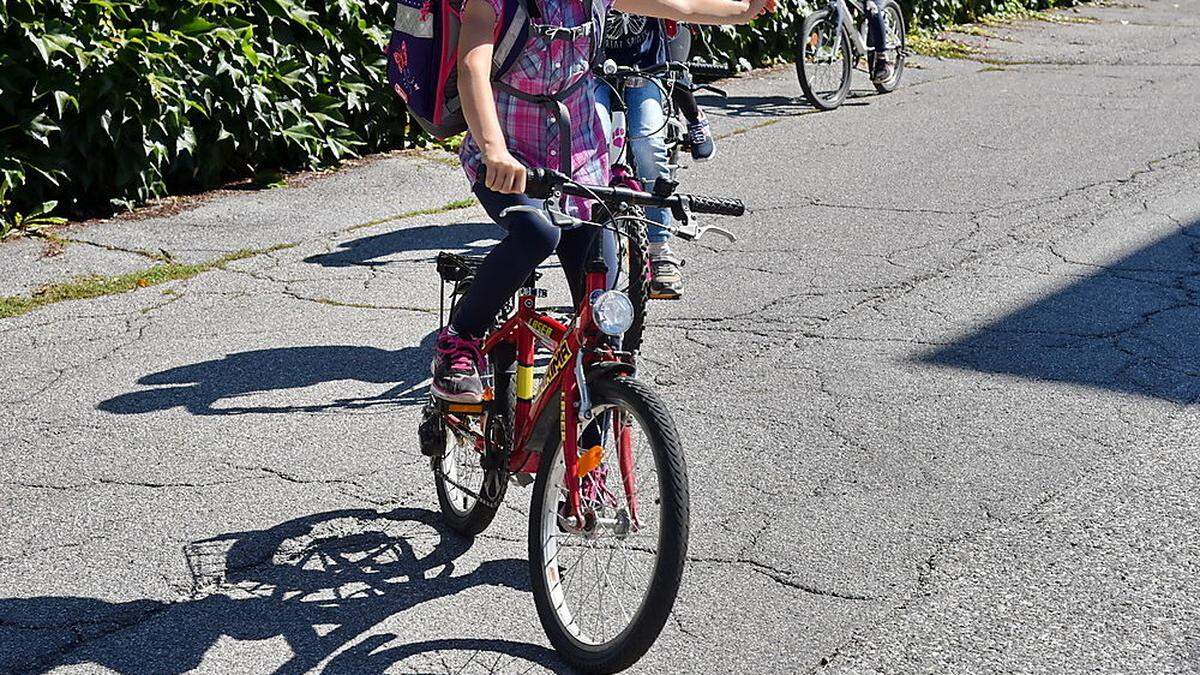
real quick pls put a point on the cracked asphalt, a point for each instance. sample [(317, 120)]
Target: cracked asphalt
[(938, 400)]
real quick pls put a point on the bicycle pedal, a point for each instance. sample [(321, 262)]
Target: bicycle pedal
[(463, 408)]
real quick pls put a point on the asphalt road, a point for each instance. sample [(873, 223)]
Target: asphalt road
[(938, 401)]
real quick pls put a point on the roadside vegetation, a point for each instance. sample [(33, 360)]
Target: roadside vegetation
[(94, 286), (105, 104)]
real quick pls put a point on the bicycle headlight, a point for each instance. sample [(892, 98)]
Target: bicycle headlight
[(613, 312)]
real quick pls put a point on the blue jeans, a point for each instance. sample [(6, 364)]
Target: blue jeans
[(876, 27), (646, 131)]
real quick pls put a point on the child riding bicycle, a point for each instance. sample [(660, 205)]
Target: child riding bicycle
[(541, 113), (643, 42)]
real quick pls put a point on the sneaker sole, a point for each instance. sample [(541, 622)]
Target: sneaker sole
[(666, 295), (454, 398)]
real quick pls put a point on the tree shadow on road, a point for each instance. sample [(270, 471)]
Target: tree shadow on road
[(318, 584), (1129, 326), (371, 251), (200, 387)]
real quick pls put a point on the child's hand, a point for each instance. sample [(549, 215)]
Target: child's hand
[(758, 8), (504, 173)]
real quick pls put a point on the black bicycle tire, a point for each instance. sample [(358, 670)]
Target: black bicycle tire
[(479, 517), (801, 38), (636, 639), (637, 251)]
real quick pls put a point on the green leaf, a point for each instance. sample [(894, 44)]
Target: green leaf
[(39, 129), (42, 209), (195, 25), (62, 100), (48, 45)]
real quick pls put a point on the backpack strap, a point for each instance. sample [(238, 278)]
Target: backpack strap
[(554, 104), (512, 33)]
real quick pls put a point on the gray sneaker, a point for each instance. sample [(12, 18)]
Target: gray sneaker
[(666, 275), (883, 70)]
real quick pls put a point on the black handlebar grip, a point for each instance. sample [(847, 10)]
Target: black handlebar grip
[(713, 70), (720, 206), (538, 182)]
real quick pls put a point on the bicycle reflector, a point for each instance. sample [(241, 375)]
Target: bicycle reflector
[(613, 312)]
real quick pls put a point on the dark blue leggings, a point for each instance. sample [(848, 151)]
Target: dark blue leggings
[(531, 239)]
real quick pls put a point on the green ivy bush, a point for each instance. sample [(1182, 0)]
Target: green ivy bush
[(105, 103)]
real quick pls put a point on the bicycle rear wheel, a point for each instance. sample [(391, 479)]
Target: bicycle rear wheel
[(604, 593), (468, 490), (894, 43), (823, 60)]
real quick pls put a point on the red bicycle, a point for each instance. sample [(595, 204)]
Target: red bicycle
[(608, 521)]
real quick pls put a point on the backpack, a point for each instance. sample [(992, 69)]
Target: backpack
[(422, 56)]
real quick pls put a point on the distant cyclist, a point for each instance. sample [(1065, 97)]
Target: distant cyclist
[(884, 66)]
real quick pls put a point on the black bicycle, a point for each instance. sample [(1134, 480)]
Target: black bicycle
[(833, 40), (634, 275)]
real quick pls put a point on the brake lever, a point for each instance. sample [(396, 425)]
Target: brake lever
[(709, 88), (693, 232), (729, 236), (557, 218)]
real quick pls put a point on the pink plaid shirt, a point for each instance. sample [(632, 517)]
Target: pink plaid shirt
[(545, 67)]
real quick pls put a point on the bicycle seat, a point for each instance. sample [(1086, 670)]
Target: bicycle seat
[(456, 266)]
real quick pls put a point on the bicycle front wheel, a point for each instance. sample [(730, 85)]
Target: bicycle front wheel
[(823, 60), (604, 592)]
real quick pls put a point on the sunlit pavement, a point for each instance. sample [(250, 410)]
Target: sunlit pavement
[(938, 400)]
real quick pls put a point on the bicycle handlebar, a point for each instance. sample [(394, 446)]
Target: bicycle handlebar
[(711, 70), (541, 184), (547, 183)]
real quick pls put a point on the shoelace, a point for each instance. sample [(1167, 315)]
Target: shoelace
[(698, 132), (463, 354)]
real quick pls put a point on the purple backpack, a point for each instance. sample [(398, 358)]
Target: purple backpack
[(423, 55)]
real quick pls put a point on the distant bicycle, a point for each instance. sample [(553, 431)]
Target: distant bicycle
[(833, 40), (634, 275)]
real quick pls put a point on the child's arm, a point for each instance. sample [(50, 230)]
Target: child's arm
[(504, 173), (699, 11)]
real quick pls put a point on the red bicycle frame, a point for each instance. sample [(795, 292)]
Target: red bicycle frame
[(573, 351)]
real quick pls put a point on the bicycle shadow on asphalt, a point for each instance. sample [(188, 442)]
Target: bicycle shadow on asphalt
[(1129, 326), (373, 250), (199, 388), (768, 106), (319, 583)]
